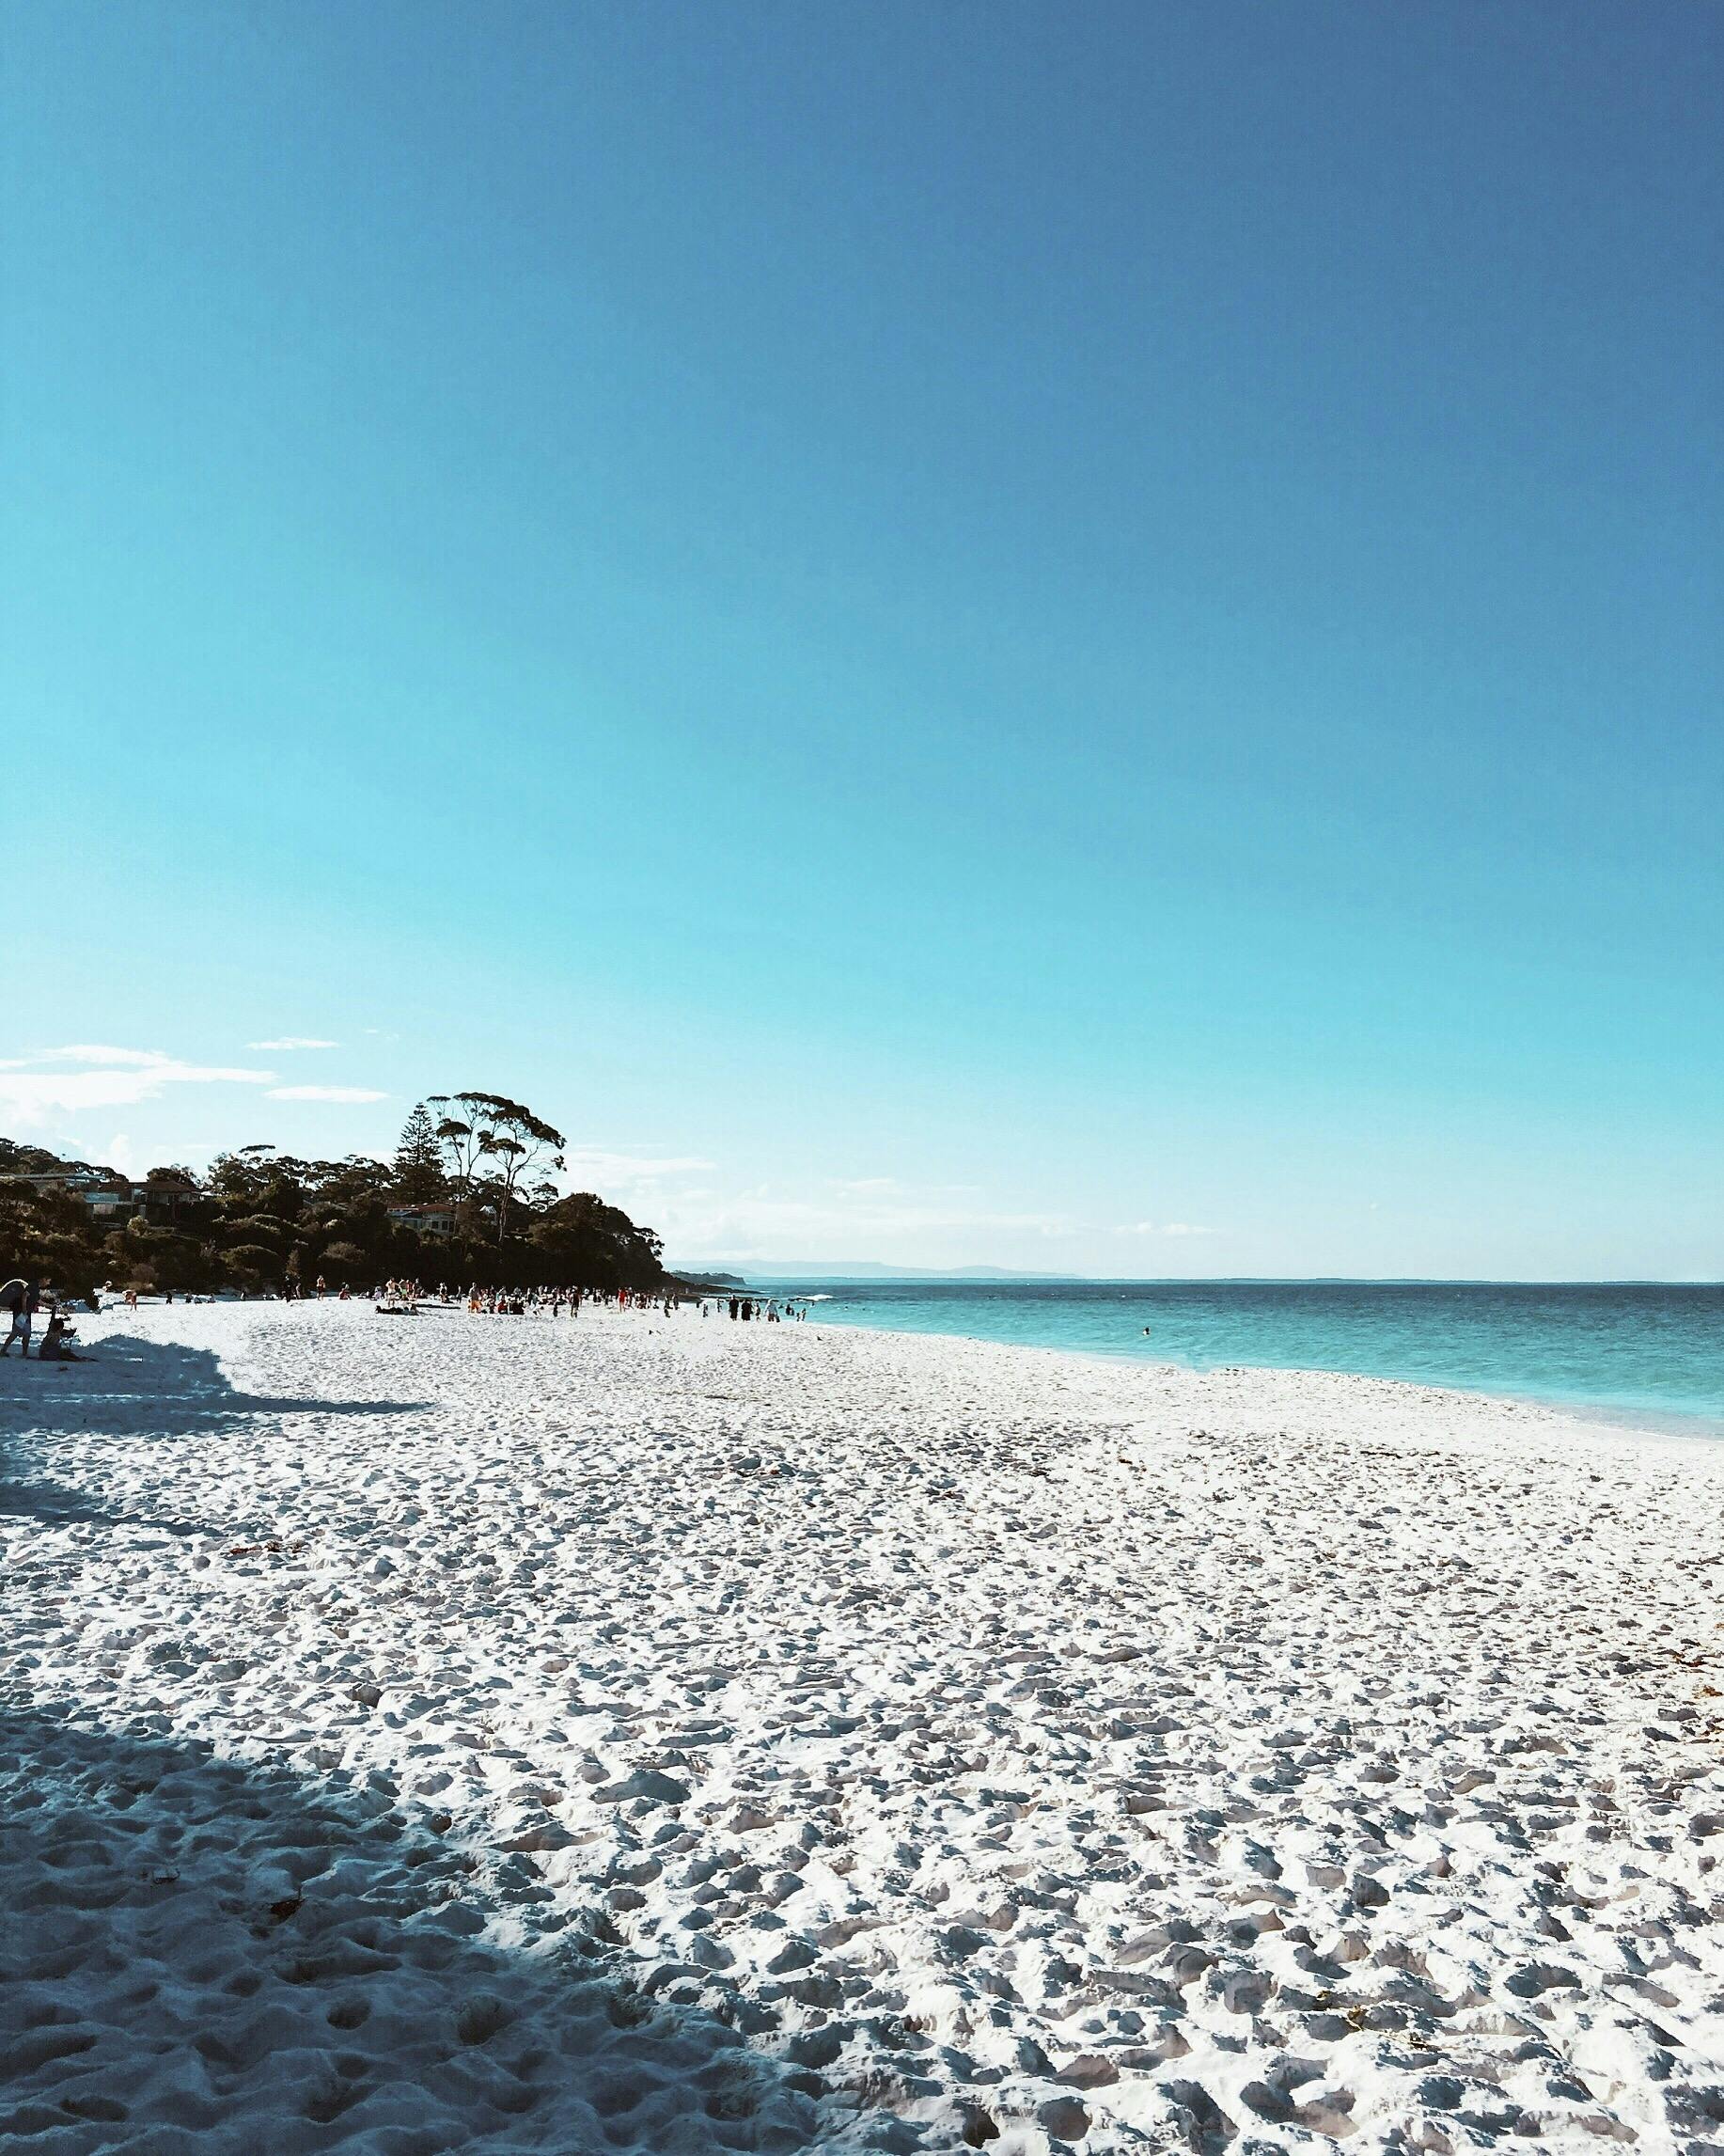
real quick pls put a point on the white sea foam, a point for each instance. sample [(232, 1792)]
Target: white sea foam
[(481, 1732)]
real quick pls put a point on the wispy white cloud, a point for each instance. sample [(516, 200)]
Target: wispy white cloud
[(675, 1193), (123, 1152), (600, 1165), (129, 1059), (1165, 1228), (763, 1223), (293, 1041), (335, 1092), (110, 1077)]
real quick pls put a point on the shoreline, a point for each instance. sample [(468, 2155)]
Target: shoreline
[(829, 1735), (1676, 1422), (1677, 1425)]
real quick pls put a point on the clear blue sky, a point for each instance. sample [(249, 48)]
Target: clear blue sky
[(951, 633)]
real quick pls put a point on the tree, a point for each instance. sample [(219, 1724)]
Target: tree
[(597, 1245), (520, 1142), (241, 1181), (419, 1178), (359, 1180), (252, 1263), (460, 1132), (260, 1217), (486, 1128), (161, 1257), (46, 1233)]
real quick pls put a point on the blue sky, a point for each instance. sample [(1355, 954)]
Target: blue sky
[(1073, 637)]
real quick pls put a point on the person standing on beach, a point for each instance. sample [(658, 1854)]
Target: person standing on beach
[(19, 1299)]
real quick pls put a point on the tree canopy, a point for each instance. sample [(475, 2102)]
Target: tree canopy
[(475, 1164), (490, 1144)]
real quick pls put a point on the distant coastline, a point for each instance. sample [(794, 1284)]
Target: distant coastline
[(830, 1273), (762, 1273)]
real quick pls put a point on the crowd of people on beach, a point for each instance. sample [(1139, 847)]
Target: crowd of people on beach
[(568, 1302), (20, 1302)]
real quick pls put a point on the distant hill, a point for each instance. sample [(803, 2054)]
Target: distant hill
[(853, 1269)]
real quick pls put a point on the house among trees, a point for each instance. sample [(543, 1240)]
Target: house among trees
[(436, 1219), (165, 1194), (112, 1199), (162, 1197), (73, 1175)]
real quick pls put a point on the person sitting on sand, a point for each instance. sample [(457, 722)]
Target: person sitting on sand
[(56, 1343)]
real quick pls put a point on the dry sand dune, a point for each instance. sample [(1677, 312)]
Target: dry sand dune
[(488, 1734)]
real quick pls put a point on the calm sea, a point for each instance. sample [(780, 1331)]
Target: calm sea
[(1653, 1354)]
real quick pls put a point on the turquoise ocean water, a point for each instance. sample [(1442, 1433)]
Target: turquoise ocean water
[(1645, 1353)]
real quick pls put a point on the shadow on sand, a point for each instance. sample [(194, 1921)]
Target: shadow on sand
[(128, 1387), (200, 1954), (151, 1389)]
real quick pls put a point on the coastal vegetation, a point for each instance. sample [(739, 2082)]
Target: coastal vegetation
[(468, 1197)]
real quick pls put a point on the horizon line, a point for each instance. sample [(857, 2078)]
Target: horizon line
[(769, 1269)]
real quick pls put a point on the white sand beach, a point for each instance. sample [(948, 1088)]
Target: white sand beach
[(475, 1733)]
